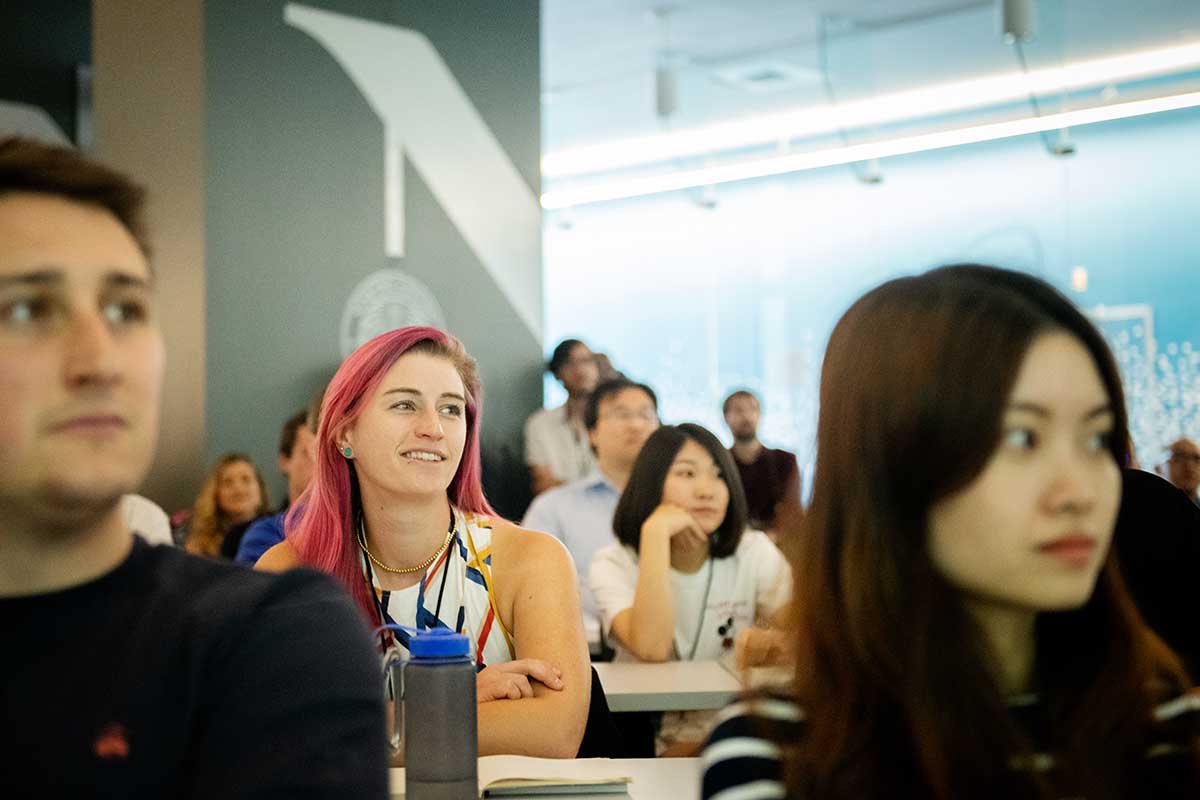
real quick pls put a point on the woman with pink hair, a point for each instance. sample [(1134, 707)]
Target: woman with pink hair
[(396, 513)]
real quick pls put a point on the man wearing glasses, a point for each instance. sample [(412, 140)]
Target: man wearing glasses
[(620, 415), (1183, 467), (133, 670)]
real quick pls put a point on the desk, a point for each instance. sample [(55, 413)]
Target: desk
[(668, 686), (764, 677), (653, 778)]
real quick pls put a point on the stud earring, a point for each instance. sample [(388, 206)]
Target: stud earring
[(348, 451)]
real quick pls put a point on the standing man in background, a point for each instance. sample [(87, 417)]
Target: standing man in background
[(771, 477), (556, 439)]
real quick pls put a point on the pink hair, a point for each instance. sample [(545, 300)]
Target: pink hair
[(321, 523)]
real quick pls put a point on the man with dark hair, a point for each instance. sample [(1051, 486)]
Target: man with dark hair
[(132, 670), (299, 465), (620, 415), (771, 477), (556, 442), (296, 464), (1183, 467), (297, 478)]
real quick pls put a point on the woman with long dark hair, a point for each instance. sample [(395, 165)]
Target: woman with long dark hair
[(396, 513), (685, 579), (960, 626)]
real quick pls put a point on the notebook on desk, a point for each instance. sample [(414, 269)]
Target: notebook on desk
[(556, 787), (523, 776)]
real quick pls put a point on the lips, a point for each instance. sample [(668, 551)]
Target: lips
[(1074, 550), (424, 456), (91, 423)]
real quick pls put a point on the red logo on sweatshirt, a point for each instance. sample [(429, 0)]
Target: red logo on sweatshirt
[(112, 742)]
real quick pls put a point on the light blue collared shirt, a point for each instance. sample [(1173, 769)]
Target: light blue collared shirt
[(579, 514)]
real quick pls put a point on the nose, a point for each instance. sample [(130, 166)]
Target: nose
[(706, 488), (429, 424), (90, 353), (1076, 486)]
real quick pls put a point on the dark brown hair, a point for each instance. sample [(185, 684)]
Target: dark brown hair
[(287, 435), (30, 166), (735, 395), (611, 388), (643, 493), (893, 674), (562, 354)]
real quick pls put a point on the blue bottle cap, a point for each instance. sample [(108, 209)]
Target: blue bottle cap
[(438, 643)]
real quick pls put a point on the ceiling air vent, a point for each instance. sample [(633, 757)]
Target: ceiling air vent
[(762, 76)]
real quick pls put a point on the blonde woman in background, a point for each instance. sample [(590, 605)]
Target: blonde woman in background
[(234, 493)]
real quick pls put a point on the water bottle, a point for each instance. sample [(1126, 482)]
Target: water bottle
[(441, 740)]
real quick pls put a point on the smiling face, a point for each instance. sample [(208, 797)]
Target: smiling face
[(239, 495), (1032, 530), (81, 356), (694, 483), (409, 438)]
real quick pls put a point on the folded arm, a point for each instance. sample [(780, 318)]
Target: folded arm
[(538, 598)]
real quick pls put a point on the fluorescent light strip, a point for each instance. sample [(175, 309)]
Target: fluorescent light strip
[(913, 104), (690, 179)]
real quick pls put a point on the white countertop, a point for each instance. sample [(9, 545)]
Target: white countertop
[(668, 686)]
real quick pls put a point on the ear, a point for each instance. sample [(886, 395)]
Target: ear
[(284, 463)]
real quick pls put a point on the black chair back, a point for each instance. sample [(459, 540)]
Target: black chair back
[(609, 735)]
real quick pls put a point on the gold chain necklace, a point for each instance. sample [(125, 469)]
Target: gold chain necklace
[(362, 542)]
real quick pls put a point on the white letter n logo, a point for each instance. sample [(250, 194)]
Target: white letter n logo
[(427, 115)]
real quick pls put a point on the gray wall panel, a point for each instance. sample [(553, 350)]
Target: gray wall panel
[(295, 213)]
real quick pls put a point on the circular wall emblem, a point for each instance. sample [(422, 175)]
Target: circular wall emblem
[(383, 301)]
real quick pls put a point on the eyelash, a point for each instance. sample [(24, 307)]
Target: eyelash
[(39, 308), (408, 405), (691, 473), (42, 308), (132, 310), (1101, 440), (1029, 438)]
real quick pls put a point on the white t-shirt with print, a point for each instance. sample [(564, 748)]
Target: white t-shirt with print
[(750, 584)]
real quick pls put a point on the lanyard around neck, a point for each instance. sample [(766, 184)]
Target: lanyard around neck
[(437, 612)]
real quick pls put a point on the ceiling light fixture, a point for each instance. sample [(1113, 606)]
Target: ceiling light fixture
[(619, 189), (912, 104)]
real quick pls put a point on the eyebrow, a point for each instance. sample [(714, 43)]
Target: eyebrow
[(419, 393), (690, 461), (1045, 413), (54, 277)]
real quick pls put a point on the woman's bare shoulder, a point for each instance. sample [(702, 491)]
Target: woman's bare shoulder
[(279, 558), (523, 544)]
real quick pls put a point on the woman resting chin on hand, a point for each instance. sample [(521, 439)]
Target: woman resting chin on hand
[(685, 578), (396, 513)]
